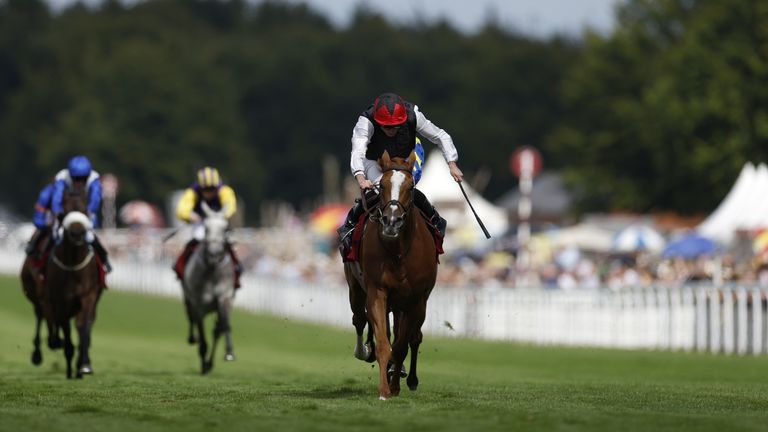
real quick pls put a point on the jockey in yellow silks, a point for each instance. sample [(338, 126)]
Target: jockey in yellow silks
[(208, 188)]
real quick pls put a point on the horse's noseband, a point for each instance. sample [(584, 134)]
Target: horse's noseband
[(405, 207)]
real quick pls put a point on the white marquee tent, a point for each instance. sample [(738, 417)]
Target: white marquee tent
[(438, 185), (744, 208)]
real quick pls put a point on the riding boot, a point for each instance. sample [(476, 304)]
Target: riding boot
[(429, 211), (237, 265), (99, 248), (181, 261), (345, 231), (31, 248)]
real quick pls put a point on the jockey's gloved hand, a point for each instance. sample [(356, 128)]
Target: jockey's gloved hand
[(363, 182), (194, 218)]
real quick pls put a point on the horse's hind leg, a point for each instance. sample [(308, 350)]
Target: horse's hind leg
[(403, 329), (191, 339), (413, 379), (415, 342), (363, 351)]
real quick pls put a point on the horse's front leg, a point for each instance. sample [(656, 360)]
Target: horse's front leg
[(222, 327), (69, 347), (225, 326), (84, 323), (377, 315), (202, 346)]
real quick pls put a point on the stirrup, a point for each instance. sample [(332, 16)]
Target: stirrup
[(440, 224)]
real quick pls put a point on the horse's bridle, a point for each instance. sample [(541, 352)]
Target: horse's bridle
[(396, 202)]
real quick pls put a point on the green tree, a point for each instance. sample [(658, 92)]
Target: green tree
[(664, 112)]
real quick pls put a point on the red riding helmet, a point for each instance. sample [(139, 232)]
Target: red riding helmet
[(389, 110)]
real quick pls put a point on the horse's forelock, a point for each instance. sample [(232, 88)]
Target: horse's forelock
[(76, 217)]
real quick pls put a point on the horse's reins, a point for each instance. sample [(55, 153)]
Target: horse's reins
[(397, 203), (394, 201)]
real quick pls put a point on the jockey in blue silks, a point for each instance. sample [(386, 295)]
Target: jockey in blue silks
[(42, 219), (79, 170)]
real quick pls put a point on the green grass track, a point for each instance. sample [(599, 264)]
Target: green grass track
[(294, 376)]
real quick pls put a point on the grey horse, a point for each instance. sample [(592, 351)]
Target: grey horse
[(208, 287)]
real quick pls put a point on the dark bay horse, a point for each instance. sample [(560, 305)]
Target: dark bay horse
[(207, 286), (397, 271), (72, 287), (32, 279)]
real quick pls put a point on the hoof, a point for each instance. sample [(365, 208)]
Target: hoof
[(207, 366), (372, 356), (364, 352), (55, 343), (382, 398), (37, 357), (412, 386), (391, 371), (191, 340), (229, 357), (85, 370)]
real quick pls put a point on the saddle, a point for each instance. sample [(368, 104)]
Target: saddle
[(350, 250), (181, 263)]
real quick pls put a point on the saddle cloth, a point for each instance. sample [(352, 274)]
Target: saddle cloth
[(352, 253)]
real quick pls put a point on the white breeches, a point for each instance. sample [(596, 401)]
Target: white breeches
[(372, 171)]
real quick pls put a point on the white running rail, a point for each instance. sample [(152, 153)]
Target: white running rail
[(706, 318)]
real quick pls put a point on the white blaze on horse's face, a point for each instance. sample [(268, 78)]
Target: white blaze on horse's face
[(397, 181), (393, 215)]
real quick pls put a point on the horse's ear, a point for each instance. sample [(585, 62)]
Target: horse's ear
[(207, 210), (385, 159), (411, 159)]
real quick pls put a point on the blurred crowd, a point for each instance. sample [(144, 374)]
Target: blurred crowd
[(295, 253)]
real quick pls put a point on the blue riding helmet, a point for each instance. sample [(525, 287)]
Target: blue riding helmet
[(417, 167), (79, 166)]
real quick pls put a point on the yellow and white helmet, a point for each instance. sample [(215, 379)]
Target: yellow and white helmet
[(208, 177)]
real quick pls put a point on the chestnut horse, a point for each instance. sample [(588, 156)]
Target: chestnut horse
[(397, 271), (72, 287)]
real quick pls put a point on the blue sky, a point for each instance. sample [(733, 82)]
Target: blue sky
[(533, 17)]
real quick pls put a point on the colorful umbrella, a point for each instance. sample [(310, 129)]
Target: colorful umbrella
[(689, 246), (326, 219), (760, 243), (635, 238)]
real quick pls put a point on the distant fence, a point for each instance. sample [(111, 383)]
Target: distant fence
[(727, 319)]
